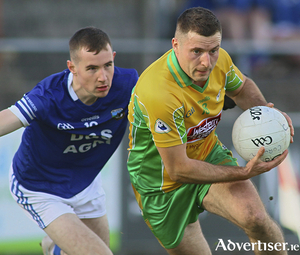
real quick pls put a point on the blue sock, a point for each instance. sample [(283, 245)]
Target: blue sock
[(56, 250)]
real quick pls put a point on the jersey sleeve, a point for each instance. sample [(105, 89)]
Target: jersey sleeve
[(31, 106), (15, 110), (234, 77)]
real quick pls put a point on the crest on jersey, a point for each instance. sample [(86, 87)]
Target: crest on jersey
[(161, 127), (118, 113)]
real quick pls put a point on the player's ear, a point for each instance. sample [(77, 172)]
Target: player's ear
[(71, 67), (175, 43)]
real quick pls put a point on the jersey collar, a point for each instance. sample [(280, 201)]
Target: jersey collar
[(179, 75), (70, 88)]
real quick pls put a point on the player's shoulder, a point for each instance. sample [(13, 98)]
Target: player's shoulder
[(157, 83), (125, 75), (224, 57), (224, 62), (56, 77), (156, 74), (51, 85), (55, 80), (123, 71), (124, 80), (160, 66)]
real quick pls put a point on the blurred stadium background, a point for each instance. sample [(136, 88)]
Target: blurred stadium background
[(34, 38)]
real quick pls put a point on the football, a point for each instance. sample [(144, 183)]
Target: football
[(261, 126)]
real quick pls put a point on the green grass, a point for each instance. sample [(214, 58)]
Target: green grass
[(21, 247), (32, 246)]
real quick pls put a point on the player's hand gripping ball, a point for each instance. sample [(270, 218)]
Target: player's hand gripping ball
[(261, 126)]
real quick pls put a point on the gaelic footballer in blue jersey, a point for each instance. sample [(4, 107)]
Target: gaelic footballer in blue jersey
[(74, 121)]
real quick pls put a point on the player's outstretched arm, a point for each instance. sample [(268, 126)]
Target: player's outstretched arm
[(183, 169), (9, 122)]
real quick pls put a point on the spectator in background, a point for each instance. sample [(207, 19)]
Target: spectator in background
[(286, 19), (286, 27)]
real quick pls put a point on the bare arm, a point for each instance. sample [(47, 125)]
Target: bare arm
[(9, 122), (247, 95), (185, 170)]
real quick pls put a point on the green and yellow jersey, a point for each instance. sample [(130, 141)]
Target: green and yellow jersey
[(167, 109)]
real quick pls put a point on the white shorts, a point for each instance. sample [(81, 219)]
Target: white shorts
[(43, 208)]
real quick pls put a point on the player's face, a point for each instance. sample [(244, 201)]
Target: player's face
[(93, 74), (197, 55)]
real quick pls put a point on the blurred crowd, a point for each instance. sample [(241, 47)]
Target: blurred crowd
[(261, 21)]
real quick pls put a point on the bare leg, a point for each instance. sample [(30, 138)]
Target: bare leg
[(193, 242), (100, 227), (75, 238), (240, 203)]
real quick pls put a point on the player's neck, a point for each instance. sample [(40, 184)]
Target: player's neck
[(83, 95), (200, 83)]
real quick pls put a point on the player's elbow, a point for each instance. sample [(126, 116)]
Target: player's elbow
[(177, 174), (175, 177)]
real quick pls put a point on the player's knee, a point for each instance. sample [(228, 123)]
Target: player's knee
[(256, 221)]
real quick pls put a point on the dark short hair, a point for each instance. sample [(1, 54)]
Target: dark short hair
[(199, 20), (91, 38)]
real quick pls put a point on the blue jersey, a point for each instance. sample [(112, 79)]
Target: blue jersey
[(66, 143)]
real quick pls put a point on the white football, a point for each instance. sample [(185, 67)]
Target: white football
[(261, 126)]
